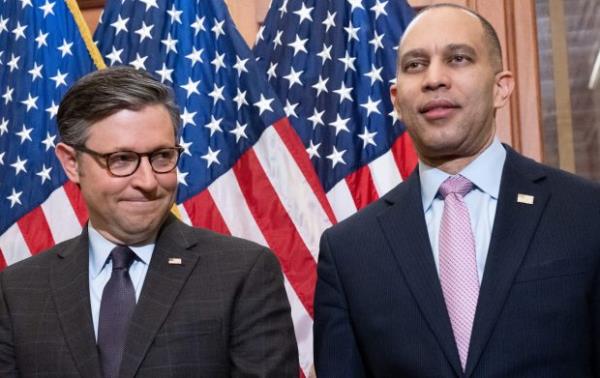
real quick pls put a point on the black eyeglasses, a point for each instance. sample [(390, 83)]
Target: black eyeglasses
[(125, 163)]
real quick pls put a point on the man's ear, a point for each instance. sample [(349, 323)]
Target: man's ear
[(68, 159), (505, 83), (393, 95)]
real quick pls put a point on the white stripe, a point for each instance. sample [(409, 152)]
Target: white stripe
[(302, 328), (292, 188), (341, 201), (13, 245), (185, 217), (61, 217), (228, 198), (385, 173)]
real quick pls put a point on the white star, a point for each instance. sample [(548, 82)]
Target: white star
[(340, 124), (374, 74), (44, 173), (2, 158), (19, 165), (13, 63), (317, 118), (313, 150), (259, 34), (8, 95), (120, 25), (283, 8), (195, 56), (321, 85), (368, 138), (48, 8), (218, 62), (240, 99), (239, 131), (214, 125), (170, 44), (325, 54), (145, 31), (240, 65), (344, 93), (290, 109), (165, 73), (175, 14), (65, 48), (271, 71), (14, 198), (293, 77), (25, 3), (25, 134), (336, 157), (264, 104), (211, 157), (187, 117), (191, 87), (181, 177), (377, 41), (348, 62), (394, 116), (3, 126), (298, 45), (3, 23), (218, 28), (198, 25), (379, 9), (186, 146), (371, 106), (59, 78), (52, 110), (36, 71), (115, 56), (30, 102), (355, 4), (352, 32), (19, 31), (277, 39), (150, 4), (329, 21), (49, 141), (304, 13), (41, 39), (139, 62), (217, 94)]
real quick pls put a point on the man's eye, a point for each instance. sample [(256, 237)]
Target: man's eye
[(122, 158), (459, 59), (413, 66)]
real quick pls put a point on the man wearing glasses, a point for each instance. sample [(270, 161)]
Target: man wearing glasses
[(139, 292)]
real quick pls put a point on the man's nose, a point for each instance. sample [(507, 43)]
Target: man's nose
[(436, 76), (144, 177)]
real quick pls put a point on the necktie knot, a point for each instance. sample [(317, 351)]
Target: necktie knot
[(455, 184), (122, 257)]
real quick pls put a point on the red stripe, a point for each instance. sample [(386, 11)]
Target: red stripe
[(278, 229), (36, 231), (77, 202), (2, 260), (362, 187), (203, 212), (405, 155), (294, 145)]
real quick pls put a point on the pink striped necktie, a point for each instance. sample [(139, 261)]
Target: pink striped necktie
[(457, 260)]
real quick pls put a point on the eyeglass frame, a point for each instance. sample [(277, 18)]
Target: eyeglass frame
[(106, 156)]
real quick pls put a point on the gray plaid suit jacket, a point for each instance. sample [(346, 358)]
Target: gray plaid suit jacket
[(223, 312)]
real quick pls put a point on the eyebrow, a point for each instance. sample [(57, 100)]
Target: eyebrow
[(457, 47)]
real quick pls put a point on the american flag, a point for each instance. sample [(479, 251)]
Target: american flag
[(42, 52), (244, 170), (332, 63)]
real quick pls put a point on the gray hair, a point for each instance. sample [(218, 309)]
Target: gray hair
[(102, 93)]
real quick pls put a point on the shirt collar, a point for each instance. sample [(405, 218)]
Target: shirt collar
[(100, 249), (484, 172)]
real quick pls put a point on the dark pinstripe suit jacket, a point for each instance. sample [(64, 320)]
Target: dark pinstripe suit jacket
[(379, 307), (223, 312)]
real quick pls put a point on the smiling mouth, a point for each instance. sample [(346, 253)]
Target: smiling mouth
[(438, 109)]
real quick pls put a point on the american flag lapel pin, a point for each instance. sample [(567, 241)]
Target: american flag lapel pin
[(175, 261), (525, 198)]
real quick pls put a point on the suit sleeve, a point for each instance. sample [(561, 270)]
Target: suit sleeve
[(8, 362), (596, 323), (262, 342), (336, 349)]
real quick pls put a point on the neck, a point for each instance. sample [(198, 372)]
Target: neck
[(455, 164)]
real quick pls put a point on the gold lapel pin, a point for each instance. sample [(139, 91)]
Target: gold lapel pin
[(175, 261), (525, 198)]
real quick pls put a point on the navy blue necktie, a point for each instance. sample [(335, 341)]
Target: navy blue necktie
[(116, 308)]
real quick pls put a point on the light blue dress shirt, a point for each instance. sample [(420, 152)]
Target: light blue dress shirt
[(485, 173), (100, 269)]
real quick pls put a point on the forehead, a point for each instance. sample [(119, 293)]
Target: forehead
[(440, 27)]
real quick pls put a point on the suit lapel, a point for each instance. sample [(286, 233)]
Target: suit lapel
[(70, 289), (406, 231), (162, 284), (514, 226)]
